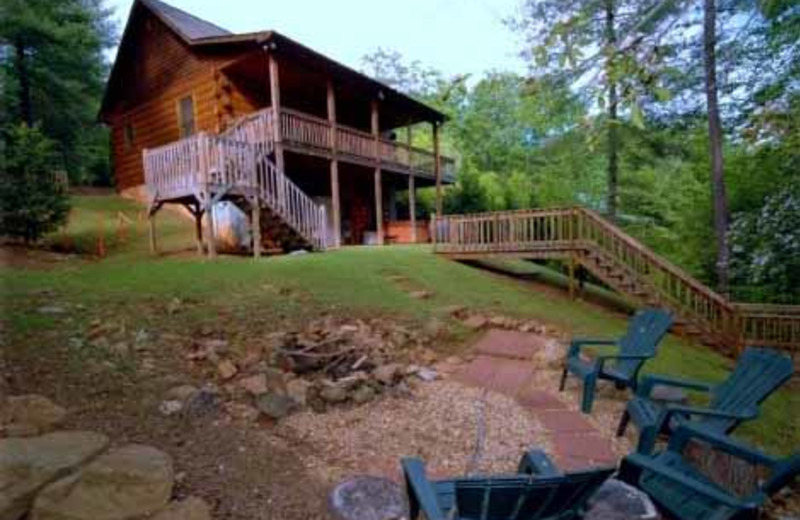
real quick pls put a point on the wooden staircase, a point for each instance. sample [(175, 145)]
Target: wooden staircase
[(582, 237), (237, 165)]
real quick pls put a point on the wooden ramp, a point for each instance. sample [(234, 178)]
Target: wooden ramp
[(580, 236)]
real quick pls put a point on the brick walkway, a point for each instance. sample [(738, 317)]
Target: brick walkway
[(504, 363)]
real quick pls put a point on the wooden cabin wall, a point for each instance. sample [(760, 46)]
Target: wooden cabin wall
[(159, 70)]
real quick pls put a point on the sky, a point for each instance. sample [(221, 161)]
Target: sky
[(453, 36)]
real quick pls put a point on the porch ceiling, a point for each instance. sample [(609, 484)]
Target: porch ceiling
[(304, 88)]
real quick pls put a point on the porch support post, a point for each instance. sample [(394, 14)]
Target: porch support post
[(412, 207), (437, 168), (378, 177), (275, 95), (572, 277), (335, 201), (212, 239), (335, 204), (256, 219), (151, 220), (198, 228), (379, 204)]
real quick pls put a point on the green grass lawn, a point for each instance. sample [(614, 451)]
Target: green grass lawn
[(351, 281)]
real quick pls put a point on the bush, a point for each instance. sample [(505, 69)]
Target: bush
[(32, 203)]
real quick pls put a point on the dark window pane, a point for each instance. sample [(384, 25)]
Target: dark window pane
[(186, 116)]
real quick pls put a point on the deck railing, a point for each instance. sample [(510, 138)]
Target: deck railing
[(314, 132), (576, 231), (235, 161)]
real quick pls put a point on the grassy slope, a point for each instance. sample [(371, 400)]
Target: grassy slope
[(352, 280)]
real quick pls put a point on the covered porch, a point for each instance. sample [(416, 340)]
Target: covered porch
[(373, 209)]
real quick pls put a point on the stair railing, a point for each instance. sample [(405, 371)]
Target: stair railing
[(562, 232)]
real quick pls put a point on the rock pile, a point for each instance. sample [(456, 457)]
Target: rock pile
[(75, 475), (330, 362)]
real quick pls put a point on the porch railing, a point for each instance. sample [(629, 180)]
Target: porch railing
[(236, 161), (314, 132)]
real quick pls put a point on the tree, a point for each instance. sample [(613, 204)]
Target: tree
[(52, 62), (719, 197), (607, 48), (31, 202)]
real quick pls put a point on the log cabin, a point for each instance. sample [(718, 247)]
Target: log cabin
[(308, 152)]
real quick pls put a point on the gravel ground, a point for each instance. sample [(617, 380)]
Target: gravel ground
[(438, 422)]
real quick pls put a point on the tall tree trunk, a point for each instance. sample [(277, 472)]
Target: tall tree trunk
[(21, 65), (719, 198), (613, 101)]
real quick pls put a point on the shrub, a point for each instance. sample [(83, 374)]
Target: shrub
[(32, 203)]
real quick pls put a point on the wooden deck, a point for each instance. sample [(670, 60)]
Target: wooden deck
[(305, 133), (204, 169), (583, 237)]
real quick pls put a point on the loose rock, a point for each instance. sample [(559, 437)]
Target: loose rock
[(388, 374), (29, 415), (27, 465), (476, 322), (254, 385), (181, 393), (226, 369), (333, 394), (297, 389), (276, 405), (129, 482), (363, 394), (170, 407), (427, 374)]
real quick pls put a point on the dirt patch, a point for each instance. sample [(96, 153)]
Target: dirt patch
[(21, 257)]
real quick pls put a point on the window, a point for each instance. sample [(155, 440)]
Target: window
[(128, 136), (186, 116)]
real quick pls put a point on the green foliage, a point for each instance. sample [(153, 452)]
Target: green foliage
[(51, 59), (31, 202), (766, 247)]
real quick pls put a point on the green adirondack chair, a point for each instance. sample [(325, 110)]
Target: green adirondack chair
[(645, 331), (678, 486), (538, 491), (758, 373)]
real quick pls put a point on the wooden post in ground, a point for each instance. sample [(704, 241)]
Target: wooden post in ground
[(412, 207), (335, 201), (212, 239), (151, 220), (571, 277), (256, 218), (378, 177), (198, 229), (437, 168)]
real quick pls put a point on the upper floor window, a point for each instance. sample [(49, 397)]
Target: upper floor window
[(128, 135), (186, 116)]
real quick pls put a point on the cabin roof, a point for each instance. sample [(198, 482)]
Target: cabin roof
[(200, 34), (188, 26)]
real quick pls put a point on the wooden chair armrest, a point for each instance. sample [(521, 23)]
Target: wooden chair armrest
[(537, 462), (672, 409), (421, 494), (644, 462), (578, 343), (651, 380)]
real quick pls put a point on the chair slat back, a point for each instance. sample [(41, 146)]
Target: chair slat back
[(526, 497), (758, 373), (645, 331)]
